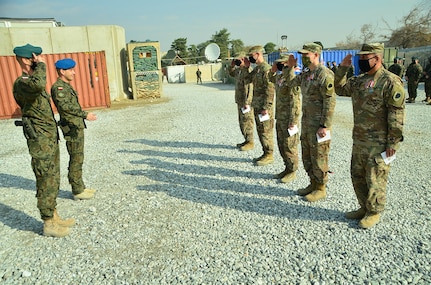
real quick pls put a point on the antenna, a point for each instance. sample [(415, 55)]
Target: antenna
[(212, 52)]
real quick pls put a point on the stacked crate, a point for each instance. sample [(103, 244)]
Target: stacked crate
[(145, 69)]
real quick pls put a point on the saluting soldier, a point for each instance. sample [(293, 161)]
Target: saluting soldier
[(378, 113), (243, 99), (40, 130), (287, 112), (262, 103), (318, 104), (72, 125)]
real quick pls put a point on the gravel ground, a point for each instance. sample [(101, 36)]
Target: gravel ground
[(177, 203)]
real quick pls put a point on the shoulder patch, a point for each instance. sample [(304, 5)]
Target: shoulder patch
[(61, 94), (397, 96)]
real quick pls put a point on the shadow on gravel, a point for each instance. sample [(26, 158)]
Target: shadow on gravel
[(243, 203), (180, 144), (13, 181), (19, 220), (188, 156)]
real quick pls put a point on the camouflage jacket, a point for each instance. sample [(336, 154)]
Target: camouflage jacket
[(414, 72), (427, 72), (243, 88), (287, 100), (37, 115), (318, 96), (378, 106), (66, 100), (397, 69), (263, 88)]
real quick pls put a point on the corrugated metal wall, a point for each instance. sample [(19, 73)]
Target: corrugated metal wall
[(91, 80)]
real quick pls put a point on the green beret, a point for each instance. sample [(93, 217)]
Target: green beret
[(27, 51), (283, 58), (372, 48), (311, 47), (255, 49), (65, 63)]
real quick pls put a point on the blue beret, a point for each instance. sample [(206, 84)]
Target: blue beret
[(27, 51), (65, 63)]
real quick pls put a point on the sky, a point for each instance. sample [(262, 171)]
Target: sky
[(253, 22)]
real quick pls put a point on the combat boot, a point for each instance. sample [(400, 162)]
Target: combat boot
[(289, 177), (370, 220), (247, 146), (84, 195), (356, 214), (318, 194), (258, 158), (52, 229), (64, 223), (238, 145), (90, 190), (266, 159), (426, 100), (281, 174), (307, 190)]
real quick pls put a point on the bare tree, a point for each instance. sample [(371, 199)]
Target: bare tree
[(415, 30), (368, 33)]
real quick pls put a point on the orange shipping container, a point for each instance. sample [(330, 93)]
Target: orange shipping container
[(91, 80)]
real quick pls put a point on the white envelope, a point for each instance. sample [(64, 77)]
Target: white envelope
[(325, 138), (293, 131), (386, 159), (263, 118)]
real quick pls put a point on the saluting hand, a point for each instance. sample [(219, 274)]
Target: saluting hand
[(292, 61), (347, 61)]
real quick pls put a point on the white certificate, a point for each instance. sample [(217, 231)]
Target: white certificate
[(293, 131), (325, 138)]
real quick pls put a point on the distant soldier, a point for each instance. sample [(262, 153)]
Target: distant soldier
[(427, 75), (287, 112), (378, 117), (413, 74), (263, 98), (397, 68), (72, 125), (318, 104), (40, 130), (198, 76), (243, 99)]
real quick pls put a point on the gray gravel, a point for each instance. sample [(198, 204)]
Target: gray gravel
[(177, 203)]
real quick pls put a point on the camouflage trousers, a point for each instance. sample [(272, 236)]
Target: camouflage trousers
[(412, 88), (75, 148), (265, 130), (369, 175), (315, 157), (287, 145), (45, 162), (428, 88), (246, 124)]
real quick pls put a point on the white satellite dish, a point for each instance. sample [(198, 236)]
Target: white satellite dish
[(212, 52)]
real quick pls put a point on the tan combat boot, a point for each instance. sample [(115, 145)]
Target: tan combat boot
[(265, 160), (307, 190), (247, 146), (370, 220), (356, 214), (84, 195), (64, 223), (90, 190), (239, 145), (318, 194), (52, 229), (289, 177), (281, 174)]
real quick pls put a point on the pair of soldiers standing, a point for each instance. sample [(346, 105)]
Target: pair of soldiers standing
[(378, 110), (40, 130)]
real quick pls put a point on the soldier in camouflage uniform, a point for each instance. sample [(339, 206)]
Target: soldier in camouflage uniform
[(427, 75), (40, 130), (243, 98), (318, 104), (287, 112), (397, 68), (413, 74), (378, 112), (72, 125), (262, 103)]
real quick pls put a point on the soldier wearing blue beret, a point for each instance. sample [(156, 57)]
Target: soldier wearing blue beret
[(40, 130), (72, 125)]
